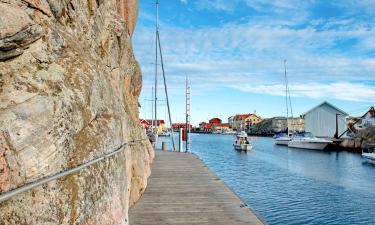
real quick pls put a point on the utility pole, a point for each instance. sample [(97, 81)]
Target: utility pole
[(152, 109), (337, 126), (187, 127)]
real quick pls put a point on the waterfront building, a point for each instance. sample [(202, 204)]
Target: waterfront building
[(177, 126), (321, 120), (214, 121), (160, 125), (230, 121), (296, 124), (144, 123), (279, 124), (206, 127), (221, 127), (367, 120), (245, 121)]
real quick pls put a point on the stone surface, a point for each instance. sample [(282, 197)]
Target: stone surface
[(69, 88)]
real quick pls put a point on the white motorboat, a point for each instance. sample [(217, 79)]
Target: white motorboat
[(241, 143), (369, 157), (284, 140), (230, 132), (165, 134), (308, 141)]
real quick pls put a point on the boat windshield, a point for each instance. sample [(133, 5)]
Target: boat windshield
[(308, 134)]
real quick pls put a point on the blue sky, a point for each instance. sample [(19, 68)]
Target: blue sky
[(233, 53)]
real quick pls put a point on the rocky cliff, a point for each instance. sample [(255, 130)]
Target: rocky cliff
[(69, 87)]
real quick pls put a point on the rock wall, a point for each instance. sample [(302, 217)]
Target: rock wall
[(69, 88)]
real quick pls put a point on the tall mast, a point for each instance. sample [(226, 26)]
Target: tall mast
[(156, 62), (286, 91), (290, 101), (165, 83)]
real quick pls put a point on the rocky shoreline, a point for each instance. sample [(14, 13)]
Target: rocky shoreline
[(69, 93)]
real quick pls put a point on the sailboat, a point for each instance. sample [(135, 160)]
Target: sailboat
[(153, 135), (283, 138)]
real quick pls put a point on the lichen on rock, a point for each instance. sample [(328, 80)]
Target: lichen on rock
[(69, 88)]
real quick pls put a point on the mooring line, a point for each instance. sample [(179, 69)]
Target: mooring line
[(5, 196)]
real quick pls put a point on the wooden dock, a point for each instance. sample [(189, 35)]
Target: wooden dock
[(182, 190)]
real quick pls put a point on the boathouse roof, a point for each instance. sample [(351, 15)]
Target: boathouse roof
[(343, 113)]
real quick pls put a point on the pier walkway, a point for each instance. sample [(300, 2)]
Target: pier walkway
[(182, 190)]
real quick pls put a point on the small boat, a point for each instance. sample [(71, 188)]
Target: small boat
[(308, 141), (164, 134), (241, 143), (369, 157), (229, 132), (283, 140)]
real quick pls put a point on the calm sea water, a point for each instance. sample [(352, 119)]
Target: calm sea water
[(293, 186)]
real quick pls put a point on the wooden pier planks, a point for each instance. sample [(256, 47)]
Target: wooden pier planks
[(182, 190)]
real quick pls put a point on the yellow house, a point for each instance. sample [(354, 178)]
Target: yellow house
[(245, 121), (253, 119), (222, 127)]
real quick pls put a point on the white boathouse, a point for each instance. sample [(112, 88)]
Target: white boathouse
[(321, 120)]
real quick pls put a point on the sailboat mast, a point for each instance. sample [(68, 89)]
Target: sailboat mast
[(165, 88), (156, 63), (286, 91), (290, 101)]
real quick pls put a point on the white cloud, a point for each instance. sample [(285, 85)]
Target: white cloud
[(184, 1), (338, 90), (222, 5), (250, 56)]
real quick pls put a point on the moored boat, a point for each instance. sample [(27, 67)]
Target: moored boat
[(230, 132), (165, 133), (284, 140), (308, 141), (242, 143), (369, 154), (369, 157)]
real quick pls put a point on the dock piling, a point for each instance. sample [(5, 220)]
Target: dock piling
[(180, 140)]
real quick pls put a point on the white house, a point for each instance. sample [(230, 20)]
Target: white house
[(367, 120), (230, 121), (321, 120)]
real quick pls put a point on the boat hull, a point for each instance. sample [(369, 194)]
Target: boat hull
[(308, 145), (282, 141), (243, 147), (369, 157)]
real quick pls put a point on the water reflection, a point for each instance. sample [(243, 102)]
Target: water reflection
[(294, 186)]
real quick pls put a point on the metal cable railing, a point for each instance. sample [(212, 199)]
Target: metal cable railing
[(5, 196)]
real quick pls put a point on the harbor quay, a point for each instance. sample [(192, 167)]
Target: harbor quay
[(183, 190), (346, 132)]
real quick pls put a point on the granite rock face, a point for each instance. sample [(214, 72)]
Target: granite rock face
[(69, 88)]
